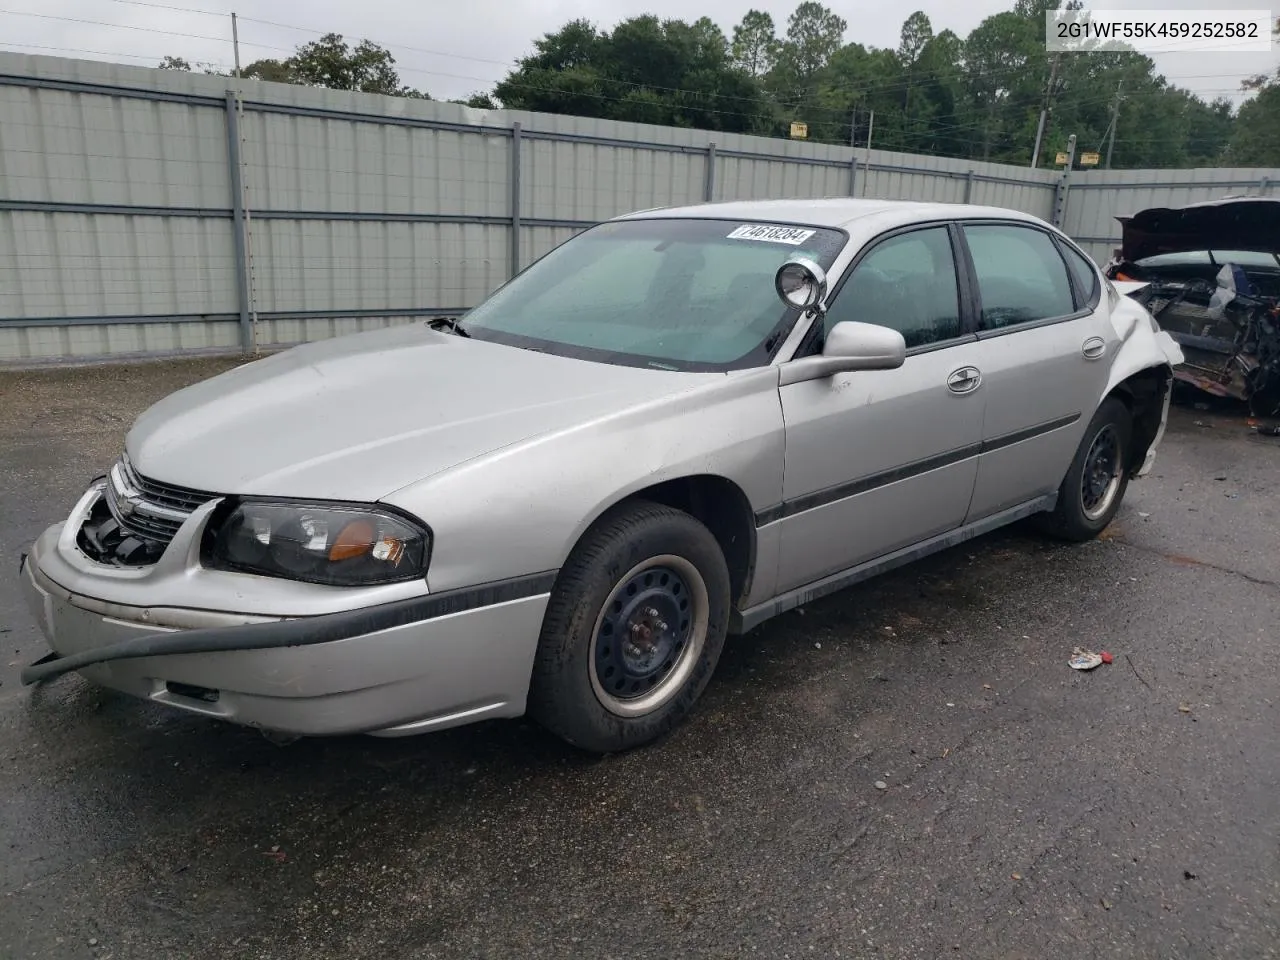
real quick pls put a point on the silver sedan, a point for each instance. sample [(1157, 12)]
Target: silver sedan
[(669, 429)]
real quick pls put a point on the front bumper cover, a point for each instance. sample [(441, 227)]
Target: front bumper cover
[(400, 666), (294, 632)]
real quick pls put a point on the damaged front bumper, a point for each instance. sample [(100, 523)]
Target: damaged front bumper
[(395, 667)]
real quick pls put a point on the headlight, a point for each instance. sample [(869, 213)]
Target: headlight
[(340, 545)]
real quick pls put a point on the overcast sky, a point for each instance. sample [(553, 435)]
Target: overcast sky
[(452, 48)]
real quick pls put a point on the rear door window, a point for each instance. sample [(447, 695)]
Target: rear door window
[(1021, 277)]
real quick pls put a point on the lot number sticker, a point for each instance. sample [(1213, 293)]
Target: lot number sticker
[(761, 231)]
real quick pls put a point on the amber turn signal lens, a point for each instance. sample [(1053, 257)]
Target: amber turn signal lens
[(355, 540)]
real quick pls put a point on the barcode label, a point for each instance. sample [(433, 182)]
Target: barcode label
[(771, 234)]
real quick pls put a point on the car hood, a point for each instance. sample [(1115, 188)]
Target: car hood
[(357, 417), (1243, 223)]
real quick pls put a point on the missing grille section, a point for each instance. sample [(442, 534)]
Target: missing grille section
[(103, 539), (135, 518)]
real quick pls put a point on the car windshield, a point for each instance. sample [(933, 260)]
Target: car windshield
[(675, 294), (1246, 258)]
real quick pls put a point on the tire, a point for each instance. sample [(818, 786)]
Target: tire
[(633, 630), (1096, 481)]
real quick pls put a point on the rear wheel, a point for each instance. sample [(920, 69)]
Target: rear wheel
[(1098, 476), (633, 630)]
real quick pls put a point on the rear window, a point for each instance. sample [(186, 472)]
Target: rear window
[(1086, 277)]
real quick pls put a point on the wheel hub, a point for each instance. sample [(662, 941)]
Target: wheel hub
[(642, 632), (1101, 472)]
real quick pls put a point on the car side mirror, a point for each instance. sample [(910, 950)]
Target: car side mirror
[(850, 346)]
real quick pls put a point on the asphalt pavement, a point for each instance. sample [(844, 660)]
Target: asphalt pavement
[(1028, 810)]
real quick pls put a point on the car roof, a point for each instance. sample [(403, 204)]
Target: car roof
[(832, 212)]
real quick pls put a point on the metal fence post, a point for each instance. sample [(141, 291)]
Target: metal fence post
[(240, 253), (515, 197), (853, 175), (968, 187), (709, 187), (1060, 193), (1264, 186)]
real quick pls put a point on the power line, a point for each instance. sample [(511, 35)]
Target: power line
[(100, 53), (131, 26)]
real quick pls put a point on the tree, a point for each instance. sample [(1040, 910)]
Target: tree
[(273, 71), (330, 62), (645, 70), (916, 32), (814, 33), (755, 46), (1256, 141)]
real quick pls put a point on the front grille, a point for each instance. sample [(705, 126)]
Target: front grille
[(179, 498), (147, 508)]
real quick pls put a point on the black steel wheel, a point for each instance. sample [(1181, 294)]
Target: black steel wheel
[(1102, 474)]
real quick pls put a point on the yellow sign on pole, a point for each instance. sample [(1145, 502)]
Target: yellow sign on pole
[(1061, 160), (799, 131), (1089, 159)]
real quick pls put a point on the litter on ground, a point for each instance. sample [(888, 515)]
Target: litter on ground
[(1082, 659)]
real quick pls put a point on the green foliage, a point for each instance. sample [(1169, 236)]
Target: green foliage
[(755, 45), (1256, 141), (646, 70), (814, 34), (1255, 138), (977, 97), (328, 62)]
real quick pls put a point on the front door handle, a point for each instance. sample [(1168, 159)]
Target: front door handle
[(1094, 348), (964, 380)]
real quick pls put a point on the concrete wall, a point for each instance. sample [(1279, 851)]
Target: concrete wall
[(121, 229)]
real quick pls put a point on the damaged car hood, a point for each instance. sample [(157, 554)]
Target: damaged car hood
[(1235, 223), (357, 417)]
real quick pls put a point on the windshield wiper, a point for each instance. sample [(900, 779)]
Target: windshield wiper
[(447, 323)]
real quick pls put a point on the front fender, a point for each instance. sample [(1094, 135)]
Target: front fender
[(523, 507)]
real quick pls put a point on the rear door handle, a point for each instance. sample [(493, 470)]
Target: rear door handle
[(1094, 348), (964, 380)]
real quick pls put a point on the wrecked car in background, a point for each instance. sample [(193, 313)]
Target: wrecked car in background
[(1210, 275)]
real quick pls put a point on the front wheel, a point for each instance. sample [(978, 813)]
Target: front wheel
[(1098, 476), (633, 630)]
